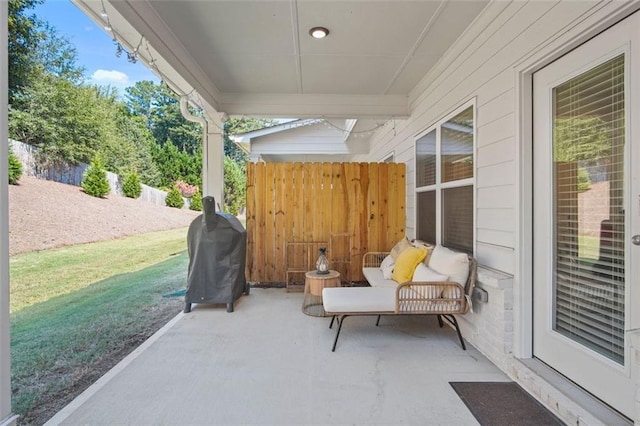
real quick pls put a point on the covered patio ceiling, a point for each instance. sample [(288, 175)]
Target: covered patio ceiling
[(258, 58)]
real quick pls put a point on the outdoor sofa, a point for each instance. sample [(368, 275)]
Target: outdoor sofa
[(414, 279)]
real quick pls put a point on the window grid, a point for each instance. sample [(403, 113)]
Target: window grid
[(445, 164)]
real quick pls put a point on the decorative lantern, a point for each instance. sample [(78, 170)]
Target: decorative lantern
[(322, 264)]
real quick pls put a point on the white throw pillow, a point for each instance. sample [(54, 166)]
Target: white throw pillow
[(429, 246), (424, 273), (389, 260), (455, 265), (386, 266)]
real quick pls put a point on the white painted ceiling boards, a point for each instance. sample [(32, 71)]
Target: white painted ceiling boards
[(257, 57)]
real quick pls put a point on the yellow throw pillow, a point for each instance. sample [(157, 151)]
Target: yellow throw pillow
[(400, 246), (407, 262)]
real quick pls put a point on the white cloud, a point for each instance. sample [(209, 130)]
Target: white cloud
[(88, 28), (116, 78)]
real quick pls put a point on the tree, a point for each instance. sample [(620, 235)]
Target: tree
[(24, 36), (174, 198), (70, 123), (584, 141), (196, 202), (15, 168), (35, 47), (94, 181), (592, 133), (58, 56), (174, 164), (161, 108), (133, 129), (131, 185), (64, 121), (235, 186), (140, 99)]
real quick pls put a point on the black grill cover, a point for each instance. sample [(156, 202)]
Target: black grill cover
[(217, 244)]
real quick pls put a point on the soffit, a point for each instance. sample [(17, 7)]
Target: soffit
[(244, 50)]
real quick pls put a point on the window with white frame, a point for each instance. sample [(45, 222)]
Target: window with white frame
[(445, 181), (389, 158)]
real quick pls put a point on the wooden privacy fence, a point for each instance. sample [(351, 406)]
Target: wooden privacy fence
[(295, 208)]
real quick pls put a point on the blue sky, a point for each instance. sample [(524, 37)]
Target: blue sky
[(96, 50)]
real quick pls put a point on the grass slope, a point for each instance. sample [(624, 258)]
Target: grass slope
[(67, 331), (39, 276)]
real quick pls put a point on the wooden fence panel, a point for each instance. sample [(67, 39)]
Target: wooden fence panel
[(270, 222), (250, 219), (400, 202), (295, 208), (260, 204), (280, 223), (383, 203), (289, 207), (373, 239)]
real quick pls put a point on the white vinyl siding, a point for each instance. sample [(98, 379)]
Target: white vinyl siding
[(482, 65)]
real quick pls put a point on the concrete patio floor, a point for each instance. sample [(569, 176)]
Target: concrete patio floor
[(268, 363)]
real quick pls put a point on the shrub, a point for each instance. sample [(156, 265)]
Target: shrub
[(15, 168), (196, 202), (94, 181), (584, 181), (131, 186), (174, 198)]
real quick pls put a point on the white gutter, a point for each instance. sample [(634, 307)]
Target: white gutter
[(184, 109), (212, 155)]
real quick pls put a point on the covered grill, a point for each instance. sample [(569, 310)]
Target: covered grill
[(217, 244)]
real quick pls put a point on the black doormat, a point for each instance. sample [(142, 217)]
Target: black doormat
[(503, 403)]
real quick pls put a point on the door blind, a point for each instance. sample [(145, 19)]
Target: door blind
[(588, 156)]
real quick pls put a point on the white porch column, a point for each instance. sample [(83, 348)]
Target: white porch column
[(213, 160), (6, 418), (212, 151)]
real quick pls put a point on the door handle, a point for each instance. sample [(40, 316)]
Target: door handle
[(635, 240)]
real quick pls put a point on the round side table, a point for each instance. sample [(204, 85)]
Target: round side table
[(313, 285)]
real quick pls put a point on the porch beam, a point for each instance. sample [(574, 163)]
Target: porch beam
[(316, 106), (6, 417)]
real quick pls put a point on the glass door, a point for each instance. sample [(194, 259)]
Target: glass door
[(583, 214)]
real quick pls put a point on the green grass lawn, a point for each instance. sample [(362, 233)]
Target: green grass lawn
[(588, 247), (77, 311)]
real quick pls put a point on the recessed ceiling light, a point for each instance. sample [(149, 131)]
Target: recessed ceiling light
[(318, 32)]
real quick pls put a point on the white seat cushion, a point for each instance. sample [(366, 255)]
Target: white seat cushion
[(359, 299), (451, 263), (376, 279)]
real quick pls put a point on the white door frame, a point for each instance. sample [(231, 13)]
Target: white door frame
[(604, 17)]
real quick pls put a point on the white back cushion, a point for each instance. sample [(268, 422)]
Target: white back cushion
[(424, 273), (451, 263)]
